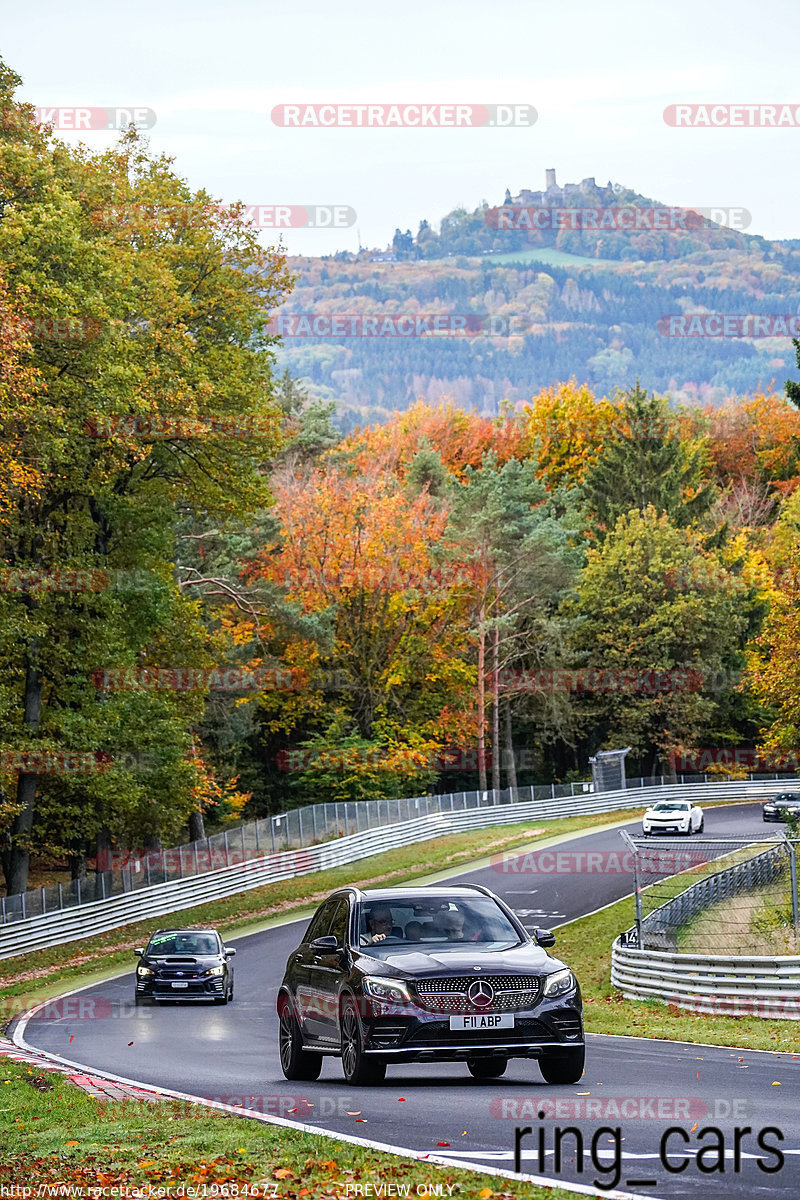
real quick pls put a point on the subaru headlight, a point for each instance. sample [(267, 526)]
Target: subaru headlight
[(559, 984), (215, 970), (142, 971), (393, 990)]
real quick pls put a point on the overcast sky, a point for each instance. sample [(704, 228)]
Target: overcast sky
[(599, 74)]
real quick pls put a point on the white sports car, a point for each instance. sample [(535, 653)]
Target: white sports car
[(673, 816)]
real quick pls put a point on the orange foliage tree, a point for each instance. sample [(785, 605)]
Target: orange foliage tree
[(756, 439), (18, 382), (367, 558), (461, 438)]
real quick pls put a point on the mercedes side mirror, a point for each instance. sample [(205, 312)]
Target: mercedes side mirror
[(544, 938), (139, 951), (229, 951), (324, 945)]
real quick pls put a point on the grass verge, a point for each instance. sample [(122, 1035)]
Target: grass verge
[(53, 1133), (762, 917)]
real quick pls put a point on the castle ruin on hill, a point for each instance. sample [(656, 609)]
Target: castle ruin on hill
[(555, 196)]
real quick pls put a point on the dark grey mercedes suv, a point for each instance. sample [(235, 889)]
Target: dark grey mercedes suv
[(426, 974)]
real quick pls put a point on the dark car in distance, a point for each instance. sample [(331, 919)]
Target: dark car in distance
[(426, 974), (185, 964), (777, 808)]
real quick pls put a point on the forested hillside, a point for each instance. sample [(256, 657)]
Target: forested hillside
[(550, 305)]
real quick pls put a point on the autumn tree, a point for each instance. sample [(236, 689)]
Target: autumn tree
[(164, 321), (360, 551), (507, 534), (661, 625), (563, 429), (754, 450), (773, 661), (460, 438)]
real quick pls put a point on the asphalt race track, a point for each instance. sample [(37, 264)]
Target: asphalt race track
[(641, 1087)]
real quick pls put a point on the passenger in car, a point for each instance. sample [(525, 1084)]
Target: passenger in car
[(450, 923)]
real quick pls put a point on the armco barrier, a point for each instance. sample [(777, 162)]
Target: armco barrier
[(122, 871), (72, 924), (734, 984)]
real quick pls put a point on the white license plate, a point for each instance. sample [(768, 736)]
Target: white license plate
[(180, 985), (480, 1021)]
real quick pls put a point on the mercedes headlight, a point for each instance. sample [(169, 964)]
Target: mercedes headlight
[(142, 971), (559, 984), (393, 990)]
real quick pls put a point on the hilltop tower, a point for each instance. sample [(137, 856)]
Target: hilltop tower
[(550, 178)]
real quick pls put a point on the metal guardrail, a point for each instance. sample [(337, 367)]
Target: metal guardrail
[(732, 984), (726, 984), (297, 829), (98, 916)]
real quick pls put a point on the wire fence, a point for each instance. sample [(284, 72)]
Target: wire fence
[(716, 896)]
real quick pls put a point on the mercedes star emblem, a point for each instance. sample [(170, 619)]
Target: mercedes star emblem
[(480, 993)]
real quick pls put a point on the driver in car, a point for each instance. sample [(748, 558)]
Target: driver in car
[(379, 924)]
